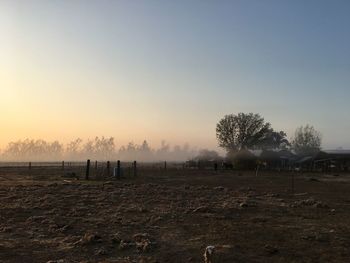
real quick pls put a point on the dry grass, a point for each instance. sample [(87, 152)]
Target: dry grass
[(173, 217)]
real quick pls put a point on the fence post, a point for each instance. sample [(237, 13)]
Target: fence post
[(108, 168), (135, 169), (87, 169), (165, 165), (30, 165), (95, 165), (118, 169), (62, 165)]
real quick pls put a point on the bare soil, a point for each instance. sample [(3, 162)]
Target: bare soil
[(173, 216)]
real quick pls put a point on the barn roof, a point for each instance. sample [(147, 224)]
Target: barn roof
[(338, 152), (305, 159)]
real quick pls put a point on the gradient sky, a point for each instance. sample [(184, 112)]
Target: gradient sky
[(171, 69)]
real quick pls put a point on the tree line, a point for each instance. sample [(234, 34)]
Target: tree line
[(99, 148), (234, 132)]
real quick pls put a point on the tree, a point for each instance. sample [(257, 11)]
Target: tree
[(144, 148), (104, 148), (73, 149), (307, 140), (163, 153), (144, 152), (55, 150), (33, 150), (276, 140), (247, 131), (128, 152)]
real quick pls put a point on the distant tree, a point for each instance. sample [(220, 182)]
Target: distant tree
[(55, 150), (163, 153), (164, 147), (128, 152), (104, 148), (99, 148), (88, 149), (144, 152), (276, 140), (33, 150), (145, 148), (247, 131), (307, 140), (132, 147), (73, 149)]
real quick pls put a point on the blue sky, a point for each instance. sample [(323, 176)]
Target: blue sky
[(171, 69)]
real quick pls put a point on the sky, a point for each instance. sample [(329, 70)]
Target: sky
[(170, 70)]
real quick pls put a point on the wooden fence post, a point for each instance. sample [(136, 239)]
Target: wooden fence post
[(87, 169), (95, 165), (62, 165), (135, 169), (118, 169), (108, 168), (30, 165), (165, 165)]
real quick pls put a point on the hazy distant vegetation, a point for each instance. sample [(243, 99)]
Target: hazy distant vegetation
[(99, 148), (235, 133)]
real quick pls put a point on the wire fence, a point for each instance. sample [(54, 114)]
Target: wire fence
[(95, 170)]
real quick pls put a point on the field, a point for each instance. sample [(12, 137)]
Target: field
[(173, 215)]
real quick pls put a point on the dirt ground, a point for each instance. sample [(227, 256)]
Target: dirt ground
[(173, 216)]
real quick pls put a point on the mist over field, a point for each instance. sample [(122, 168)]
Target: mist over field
[(99, 148)]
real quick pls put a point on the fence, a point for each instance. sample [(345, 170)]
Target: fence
[(96, 170)]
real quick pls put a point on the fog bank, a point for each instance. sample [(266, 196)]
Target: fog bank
[(99, 148)]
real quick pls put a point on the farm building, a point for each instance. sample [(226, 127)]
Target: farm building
[(325, 161), (332, 160), (281, 159)]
